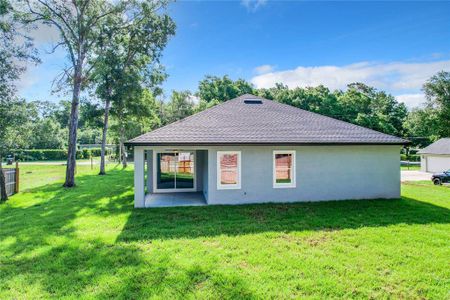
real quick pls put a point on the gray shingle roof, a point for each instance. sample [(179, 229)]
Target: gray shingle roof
[(441, 146), (235, 122)]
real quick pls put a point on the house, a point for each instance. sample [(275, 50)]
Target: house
[(435, 157), (252, 150)]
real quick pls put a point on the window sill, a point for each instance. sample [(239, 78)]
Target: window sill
[(291, 186), (234, 187)]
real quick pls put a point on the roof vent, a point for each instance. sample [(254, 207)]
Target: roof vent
[(252, 101)]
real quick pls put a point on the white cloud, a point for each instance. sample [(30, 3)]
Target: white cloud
[(44, 34), (253, 5), (411, 100), (396, 77), (263, 69), (26, 80)]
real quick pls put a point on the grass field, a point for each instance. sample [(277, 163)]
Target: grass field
[(411, 168), (89, 242)]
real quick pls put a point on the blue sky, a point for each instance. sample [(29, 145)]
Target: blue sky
[(394, 46)]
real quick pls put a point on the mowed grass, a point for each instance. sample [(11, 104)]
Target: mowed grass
[(89, 242), (410, 168)]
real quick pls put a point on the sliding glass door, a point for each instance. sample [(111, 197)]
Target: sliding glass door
[(175, 171), (166, 165)]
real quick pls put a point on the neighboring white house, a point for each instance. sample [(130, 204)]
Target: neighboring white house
[(253, 150), (435, 157)]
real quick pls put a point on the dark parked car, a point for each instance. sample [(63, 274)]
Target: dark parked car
[(440, 178), (9, 159)]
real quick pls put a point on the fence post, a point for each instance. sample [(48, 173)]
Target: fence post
[(16, 187)]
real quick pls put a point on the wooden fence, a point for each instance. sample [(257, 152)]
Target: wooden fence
[(181, 166), (12, 180)]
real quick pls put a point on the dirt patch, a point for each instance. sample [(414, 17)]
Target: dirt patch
[(317, 240), (312, 241)]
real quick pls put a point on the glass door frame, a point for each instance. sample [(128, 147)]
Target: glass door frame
[(174, 190)]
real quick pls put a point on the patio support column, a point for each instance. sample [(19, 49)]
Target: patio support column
[(149, 171), (139, 181)]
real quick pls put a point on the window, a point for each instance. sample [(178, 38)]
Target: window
[(283, 169), (228, 170)]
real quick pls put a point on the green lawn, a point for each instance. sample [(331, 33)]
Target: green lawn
[(411, 168), (89, 242)]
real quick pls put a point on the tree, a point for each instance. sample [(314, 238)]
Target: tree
[(437, 93), (13, 121), (359, 104), (47, 134), (316, 99), (90, 115), (422, 126), (80, 24), (41, 128), (130, 50), (365, 106), (222, 88), (14, 47), (147, 119), (133, 113), (202, 105), (180, 106)]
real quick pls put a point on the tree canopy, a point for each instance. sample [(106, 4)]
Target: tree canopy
[(358, 104), (127, 62), (222, 88), (437, 92), (82, 26), (15, 47)]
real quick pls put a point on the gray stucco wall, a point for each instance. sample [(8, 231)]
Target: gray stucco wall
[(322, 173)]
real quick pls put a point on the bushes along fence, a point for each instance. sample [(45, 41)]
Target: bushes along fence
[(55, 154)]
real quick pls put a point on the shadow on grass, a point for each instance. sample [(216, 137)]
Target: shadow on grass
[(121, 271), (44, 253), (42, 249), (50, 209), (192, 222), (112, 194)]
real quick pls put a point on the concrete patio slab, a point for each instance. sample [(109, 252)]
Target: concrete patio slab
[(175, 199)]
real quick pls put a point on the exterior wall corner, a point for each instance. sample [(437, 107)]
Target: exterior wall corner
[(139, 181)]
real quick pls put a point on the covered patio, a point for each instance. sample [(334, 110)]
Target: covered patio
[(170, 176)]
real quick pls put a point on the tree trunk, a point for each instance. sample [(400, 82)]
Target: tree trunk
[(105, 130), (3, 196), (73, 125), (122, 147)]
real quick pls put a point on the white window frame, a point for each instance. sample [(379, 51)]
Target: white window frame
[(155, 173), (236, 186), (293, 169)]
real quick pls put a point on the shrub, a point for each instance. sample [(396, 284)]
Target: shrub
[(40, 154), (54, 154), (97, 152), (411, 157)]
